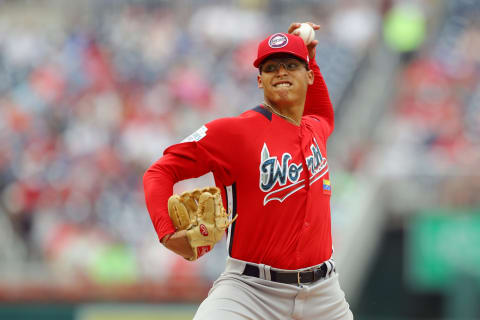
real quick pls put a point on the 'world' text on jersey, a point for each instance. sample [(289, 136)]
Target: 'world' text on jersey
[(273, 173)]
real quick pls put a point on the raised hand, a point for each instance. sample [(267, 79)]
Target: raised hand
[(311, 46)]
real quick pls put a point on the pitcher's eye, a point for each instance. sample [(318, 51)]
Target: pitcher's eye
[(271, 67), (293, 66)]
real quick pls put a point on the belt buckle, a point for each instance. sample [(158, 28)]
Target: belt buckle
[(298, 278)]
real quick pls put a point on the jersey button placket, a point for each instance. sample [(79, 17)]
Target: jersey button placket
[(304, 150)]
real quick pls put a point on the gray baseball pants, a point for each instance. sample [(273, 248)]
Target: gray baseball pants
[(239, 297)]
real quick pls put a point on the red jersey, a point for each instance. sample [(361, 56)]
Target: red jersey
[(272, 173)]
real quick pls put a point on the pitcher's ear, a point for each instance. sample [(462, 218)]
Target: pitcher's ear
[(259, 82), (310, 77)]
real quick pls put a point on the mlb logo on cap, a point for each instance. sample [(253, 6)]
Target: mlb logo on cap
[(278, 40), (281, 43)]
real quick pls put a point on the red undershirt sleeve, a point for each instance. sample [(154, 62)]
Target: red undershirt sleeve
[(211, 153), (318, 100), (159, 179)]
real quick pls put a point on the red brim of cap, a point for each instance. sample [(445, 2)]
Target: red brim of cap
[(260, 59)]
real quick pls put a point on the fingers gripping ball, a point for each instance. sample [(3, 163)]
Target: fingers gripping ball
[(201, 213), (306, 32)]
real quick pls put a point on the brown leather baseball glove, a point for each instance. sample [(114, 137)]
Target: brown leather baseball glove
[(201, 213)]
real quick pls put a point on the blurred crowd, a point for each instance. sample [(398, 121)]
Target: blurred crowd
[(90, 99), (436, 131)]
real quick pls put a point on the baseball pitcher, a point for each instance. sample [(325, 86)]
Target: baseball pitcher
[(272, 195)]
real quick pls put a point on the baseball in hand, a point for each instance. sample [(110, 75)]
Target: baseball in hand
[(306, 32)]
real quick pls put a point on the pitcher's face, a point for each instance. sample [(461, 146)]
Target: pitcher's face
[(284, 79)]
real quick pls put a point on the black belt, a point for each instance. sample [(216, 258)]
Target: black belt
[(298, 277)]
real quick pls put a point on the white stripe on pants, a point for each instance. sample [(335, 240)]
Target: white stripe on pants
[(238, 297)]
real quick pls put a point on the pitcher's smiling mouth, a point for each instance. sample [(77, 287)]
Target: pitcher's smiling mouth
[(282, 84)]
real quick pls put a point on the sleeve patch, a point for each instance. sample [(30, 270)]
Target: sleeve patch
[(197, 135)]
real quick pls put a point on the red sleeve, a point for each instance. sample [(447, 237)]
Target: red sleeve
[(158, 183), (318, 101), (184, 161)]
